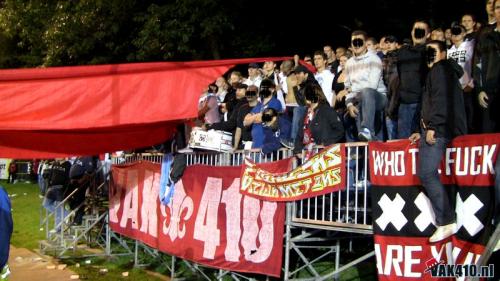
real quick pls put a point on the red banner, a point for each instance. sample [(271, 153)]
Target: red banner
[(468, 160), (403, 219), (323, 173), (208, 221)]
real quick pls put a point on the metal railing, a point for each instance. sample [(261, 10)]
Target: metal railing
[(60, 235), (345, 210), (348, 209)]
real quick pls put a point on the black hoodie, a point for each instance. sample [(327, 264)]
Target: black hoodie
[(442, 100), (412, 70)]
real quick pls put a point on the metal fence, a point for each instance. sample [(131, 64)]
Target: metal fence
[(345, 210)]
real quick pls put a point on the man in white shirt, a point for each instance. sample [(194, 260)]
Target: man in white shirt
[(324, 76), (254, 77)]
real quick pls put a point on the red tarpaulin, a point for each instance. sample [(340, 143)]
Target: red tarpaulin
[(64, 111)]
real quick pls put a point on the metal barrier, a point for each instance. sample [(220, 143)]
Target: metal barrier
[(347, 211)]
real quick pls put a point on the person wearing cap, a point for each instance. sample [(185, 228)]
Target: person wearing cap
[(230, 124), (391, 80), (254, 118), (254, 77), (462, 52), (365, 87)]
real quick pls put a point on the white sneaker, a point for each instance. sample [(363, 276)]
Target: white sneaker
[(365, 135), (187, 149), (444, 231), (5, 273)]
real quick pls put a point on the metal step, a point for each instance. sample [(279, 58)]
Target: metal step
[(48, 246)]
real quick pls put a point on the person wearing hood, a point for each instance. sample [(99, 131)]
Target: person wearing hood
[(443, 118)]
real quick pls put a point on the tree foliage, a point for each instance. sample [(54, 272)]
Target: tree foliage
[(52, 33)]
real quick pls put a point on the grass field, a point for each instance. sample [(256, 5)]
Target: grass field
[(26, 214)]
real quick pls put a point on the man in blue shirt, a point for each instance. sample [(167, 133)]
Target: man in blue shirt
[(254, 118)]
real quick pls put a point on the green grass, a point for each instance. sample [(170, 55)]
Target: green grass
[(25, 214)]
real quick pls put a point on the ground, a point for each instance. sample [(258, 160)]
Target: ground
[(27, 265)]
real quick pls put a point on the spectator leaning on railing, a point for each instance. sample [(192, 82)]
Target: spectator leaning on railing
[(443, 118), (321, 124)]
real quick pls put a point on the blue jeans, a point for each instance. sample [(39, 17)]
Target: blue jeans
[(408, 119), (392, 128), (297, 121), (60, 214), (42, 184), (371, 104), (430, 157)]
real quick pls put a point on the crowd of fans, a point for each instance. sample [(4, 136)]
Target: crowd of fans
[(371, 90), (435, 86)]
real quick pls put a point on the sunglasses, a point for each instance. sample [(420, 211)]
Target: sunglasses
[(251, 94)]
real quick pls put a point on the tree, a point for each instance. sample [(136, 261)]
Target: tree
[(183, 29)]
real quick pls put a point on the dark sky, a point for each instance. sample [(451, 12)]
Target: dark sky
[(311, 24)]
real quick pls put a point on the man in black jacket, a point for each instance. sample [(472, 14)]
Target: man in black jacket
[(443, 118), (412, 70), (230, 124), (57, 183)]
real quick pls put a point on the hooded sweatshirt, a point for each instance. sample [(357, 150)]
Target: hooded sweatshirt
[(442, 100), (364, 71)]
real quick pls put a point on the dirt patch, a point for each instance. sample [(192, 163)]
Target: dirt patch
[(27, 265)]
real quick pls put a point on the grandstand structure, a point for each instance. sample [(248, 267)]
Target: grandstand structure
[(317, 230)]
